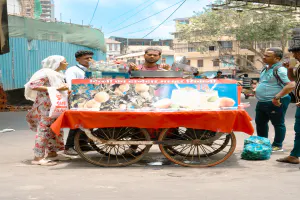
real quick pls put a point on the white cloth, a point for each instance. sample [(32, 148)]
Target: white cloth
[(56, 79), (75, 72)]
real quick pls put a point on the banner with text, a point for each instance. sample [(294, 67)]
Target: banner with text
[(153, 94)]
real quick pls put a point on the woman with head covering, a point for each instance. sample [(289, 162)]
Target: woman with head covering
[(38, 117)]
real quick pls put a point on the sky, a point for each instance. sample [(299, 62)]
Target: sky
[(108, 15)]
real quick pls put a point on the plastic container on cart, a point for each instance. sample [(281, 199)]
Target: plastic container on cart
[(115, 75), (157, 74)]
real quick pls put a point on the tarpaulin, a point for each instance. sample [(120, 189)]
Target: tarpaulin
[(222, 121)]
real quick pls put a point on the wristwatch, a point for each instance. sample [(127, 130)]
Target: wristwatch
[(277, 98)]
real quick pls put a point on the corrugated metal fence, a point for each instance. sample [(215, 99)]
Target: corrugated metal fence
[(25, 59)]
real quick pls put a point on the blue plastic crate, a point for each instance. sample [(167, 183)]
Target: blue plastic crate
[(115, 75)]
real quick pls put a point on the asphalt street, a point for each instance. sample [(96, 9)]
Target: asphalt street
[(78, 180)]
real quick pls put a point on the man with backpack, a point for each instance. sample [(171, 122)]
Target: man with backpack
[(273, 97)]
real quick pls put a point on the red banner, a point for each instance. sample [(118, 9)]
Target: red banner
[(152, 81)]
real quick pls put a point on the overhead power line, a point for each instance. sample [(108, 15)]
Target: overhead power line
[(144, 29), (146, 17), (94, 12), (166, 19), (144, 8), (127, 12)]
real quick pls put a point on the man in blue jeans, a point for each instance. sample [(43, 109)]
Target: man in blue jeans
[(273, 98), (294, 75)]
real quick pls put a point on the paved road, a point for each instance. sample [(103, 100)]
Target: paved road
[(78, 180)]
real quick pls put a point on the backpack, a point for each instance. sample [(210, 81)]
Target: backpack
[(281, 83)]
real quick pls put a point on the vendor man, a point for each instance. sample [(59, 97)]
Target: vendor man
[(219, 75), (152, 56)]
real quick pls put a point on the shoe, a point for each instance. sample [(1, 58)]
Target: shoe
[(277, 149), (289, 159), (59, 157), (43, 162), (71, 152)]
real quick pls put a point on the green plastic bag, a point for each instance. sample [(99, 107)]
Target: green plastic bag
[(257, 148)]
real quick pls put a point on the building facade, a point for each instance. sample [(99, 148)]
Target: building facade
[(14, 7), (27, 9), (216, 57), (127, 43), (113, 49)]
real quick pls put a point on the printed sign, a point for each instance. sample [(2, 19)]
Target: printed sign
[(153, 94)]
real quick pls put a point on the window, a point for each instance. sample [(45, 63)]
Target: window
[(116, 47), (110, 47), (276, 44), (216, 62), (212, 48), (200, 63), (251, 59), (191, 49), (225, 44)]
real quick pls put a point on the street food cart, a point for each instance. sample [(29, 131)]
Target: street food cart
[(191, 120)]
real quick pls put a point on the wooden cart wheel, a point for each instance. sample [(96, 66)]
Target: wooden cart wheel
[(206, 134), (205, 149), (107, 155)]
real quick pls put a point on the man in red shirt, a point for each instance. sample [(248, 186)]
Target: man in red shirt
[(152, 55)]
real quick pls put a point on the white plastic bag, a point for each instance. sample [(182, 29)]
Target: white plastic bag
[(59, 102)]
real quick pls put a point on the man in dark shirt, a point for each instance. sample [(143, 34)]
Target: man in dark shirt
[(294, 75), (219, 75)]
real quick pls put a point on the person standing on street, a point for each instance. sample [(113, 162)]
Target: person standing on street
[(294, 75), (273, 97), (152, 56), (83, 59), (47, 144), (247, 81)]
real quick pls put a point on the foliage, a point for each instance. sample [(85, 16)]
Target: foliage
[(251, 28)]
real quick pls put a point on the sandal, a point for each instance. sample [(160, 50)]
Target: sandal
[(59, 157), (43, 162), (289, 159)]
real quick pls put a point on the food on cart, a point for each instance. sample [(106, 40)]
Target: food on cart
[(209, 99), (123, 106), (146, 95), (186, 97), (212, 99), (192, 98), (124, 87), (81, 105), (226, 102), (154, 96), (163, 103), (118, 92), (101, 97), (140, 88), (122, 90), (92, 104)]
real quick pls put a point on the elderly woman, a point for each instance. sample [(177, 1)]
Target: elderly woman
[(38, 117)]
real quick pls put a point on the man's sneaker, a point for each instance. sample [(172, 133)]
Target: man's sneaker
[(277, 149), (71, 152)]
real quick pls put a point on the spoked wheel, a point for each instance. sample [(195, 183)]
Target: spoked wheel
[(197, 148), (114, 155)]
